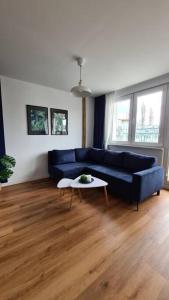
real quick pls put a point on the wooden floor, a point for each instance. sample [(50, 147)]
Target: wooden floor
[(48, 252)]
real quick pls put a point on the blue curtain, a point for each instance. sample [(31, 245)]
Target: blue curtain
[(99, 115), (2, 138)]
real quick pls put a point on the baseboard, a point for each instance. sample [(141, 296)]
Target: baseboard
[(35, 181)]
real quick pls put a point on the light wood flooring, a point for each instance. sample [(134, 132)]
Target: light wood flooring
[(48, 252)]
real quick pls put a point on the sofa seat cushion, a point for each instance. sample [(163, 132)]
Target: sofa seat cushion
[(71, 170), (137, 162), (63, 156), (119, 180), (112, 172)]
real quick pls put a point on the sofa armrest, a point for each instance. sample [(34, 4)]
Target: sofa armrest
[(147, 182)]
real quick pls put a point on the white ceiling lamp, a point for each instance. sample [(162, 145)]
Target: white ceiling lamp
[(81, 90)]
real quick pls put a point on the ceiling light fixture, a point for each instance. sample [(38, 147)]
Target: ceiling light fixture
[(80, 90)]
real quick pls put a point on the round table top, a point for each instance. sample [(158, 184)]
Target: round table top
[(97, 182), (64, 183)]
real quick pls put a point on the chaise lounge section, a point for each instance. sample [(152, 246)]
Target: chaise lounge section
[(131, 176)]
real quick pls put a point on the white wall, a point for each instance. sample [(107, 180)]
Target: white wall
[(31, 151), (148, 84)]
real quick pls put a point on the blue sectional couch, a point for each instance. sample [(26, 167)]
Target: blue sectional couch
[(131, 176)]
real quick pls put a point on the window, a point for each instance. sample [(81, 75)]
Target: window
[(139, 118), (121, 115), (148, 117)]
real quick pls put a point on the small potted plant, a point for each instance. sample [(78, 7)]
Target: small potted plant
[(85, 178), (6, 164)]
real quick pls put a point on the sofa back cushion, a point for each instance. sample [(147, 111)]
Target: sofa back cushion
[(82, 154), (113, 158), (63, 156), (137, 162), (97, 155)]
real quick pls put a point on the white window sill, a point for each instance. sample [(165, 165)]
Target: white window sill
[(158, 147)]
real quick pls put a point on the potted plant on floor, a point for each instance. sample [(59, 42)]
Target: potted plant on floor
[(6, 164)]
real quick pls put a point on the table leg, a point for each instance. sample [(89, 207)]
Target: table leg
[(80, 194), (60, 194), (71, 197), (106, 196)]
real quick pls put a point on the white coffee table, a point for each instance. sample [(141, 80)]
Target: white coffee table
[(75, 184)]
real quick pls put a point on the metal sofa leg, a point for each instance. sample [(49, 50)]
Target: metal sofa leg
[(158, 193), (137, 206)]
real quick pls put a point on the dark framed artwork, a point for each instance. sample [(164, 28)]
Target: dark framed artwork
[(37, 120), (59, 121)]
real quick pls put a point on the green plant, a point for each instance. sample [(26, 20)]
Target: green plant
[(6, 164), (85, 178)]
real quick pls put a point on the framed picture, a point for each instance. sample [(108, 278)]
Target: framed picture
[(59, 121), (37, 120)]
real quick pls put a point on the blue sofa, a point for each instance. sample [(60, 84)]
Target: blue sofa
[(130, 176)]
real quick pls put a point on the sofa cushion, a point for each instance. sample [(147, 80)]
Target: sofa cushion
[(71, 170), (96, 155), (82, 154), (63, 156), (113, 158), (137, 162), (120, 181), (111, 172)]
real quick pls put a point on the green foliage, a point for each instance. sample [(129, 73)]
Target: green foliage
[(6, 164), (83, 178)]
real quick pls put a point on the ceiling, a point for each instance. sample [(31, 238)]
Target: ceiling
[(123, 41)]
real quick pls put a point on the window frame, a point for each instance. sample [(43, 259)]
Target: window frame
[(161, 125), (133, 113), (123, 98)]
